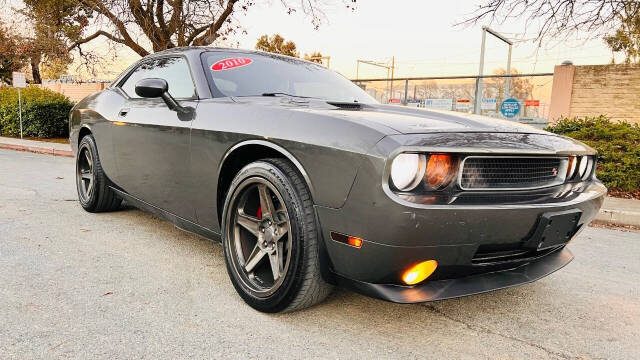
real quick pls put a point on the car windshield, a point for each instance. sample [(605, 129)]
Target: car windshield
[(264, 74)]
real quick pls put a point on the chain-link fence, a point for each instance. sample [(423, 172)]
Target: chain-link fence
[(520, 97)]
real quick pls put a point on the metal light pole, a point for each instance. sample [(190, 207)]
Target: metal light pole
[(508, 82), (19, 81), (478, 101), (20, 111)]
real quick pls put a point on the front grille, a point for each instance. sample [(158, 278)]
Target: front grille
[(488, 173)]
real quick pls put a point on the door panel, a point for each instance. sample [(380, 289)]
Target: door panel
[(152, 152), (151, 142)]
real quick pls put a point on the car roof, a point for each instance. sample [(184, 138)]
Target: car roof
[(201, 49)]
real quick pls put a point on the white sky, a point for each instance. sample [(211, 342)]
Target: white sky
[(420, 34)]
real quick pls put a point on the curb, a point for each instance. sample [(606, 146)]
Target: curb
[(37, 150), (618, 217)]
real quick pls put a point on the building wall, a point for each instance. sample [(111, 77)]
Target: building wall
[(76, 92), (592, 90)]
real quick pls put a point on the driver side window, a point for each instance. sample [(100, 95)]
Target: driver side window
[(174, 70)]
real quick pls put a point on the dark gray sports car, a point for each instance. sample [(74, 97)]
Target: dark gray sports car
[(309, 183)]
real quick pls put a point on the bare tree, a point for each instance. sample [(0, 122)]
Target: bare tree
[(555, 18), (155, 25)]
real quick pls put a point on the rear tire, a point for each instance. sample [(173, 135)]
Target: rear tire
[(270, 239), (92, 184)]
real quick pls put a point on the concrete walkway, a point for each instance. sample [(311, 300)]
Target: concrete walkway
[(616, 211)]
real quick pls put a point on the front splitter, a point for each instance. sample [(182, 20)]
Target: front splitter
[(452, 288)]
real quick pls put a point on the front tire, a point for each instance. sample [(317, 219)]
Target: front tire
[(270, 238), (94, 192)]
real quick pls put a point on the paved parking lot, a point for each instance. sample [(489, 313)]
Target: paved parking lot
[(127, 285)]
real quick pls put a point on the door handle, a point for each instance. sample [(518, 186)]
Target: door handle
[(123, 112)]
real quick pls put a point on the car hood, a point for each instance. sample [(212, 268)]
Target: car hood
[(396, 119), (415, 120)]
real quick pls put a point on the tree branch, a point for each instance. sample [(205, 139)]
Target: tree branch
[(128, 41), (93, 36), (210, 35)]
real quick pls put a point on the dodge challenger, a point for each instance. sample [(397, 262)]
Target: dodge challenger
[(309, 183)]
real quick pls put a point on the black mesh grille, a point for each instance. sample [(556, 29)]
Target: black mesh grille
[(509, 173)]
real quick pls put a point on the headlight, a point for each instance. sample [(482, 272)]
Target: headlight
[(407, 170), (582, 167), (588, 167)]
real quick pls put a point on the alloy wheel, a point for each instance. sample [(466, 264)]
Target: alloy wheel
[(259, 236), (85, 174)]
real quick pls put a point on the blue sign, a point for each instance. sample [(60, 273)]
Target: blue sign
[(510, 108)]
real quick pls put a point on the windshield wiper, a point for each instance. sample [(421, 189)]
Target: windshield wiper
[(285, 94)]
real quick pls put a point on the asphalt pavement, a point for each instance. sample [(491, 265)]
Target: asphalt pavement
[(126, 285)]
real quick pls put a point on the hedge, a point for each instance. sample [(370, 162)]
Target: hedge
[(618, 146), (45, 113)]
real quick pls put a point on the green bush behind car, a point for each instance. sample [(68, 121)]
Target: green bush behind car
[(617, 143), (45, 113)]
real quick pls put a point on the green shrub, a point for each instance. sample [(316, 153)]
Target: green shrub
[(617, 143), (45, 113)]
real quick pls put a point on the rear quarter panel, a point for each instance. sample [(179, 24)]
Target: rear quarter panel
[(96, 113)]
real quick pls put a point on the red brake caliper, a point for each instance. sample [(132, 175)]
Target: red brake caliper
[(259, 213)]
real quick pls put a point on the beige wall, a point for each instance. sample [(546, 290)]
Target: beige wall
[(592, 90), (76, 92)]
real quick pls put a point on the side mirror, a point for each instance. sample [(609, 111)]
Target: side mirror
[(154, 88), (151, 87)]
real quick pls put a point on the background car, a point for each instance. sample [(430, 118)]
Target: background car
[(308, 182)]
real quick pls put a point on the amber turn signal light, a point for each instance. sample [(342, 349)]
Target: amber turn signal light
[(419, 272), (355, 241), (346, 239), (440, 171), (571, 167)]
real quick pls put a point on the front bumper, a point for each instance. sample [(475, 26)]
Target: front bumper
[(397, 235)]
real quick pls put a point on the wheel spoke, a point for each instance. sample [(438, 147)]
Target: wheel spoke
[(280, 252), (90, 186), (282, 231), (89, 161), (265, 201), (275, 261), (86, 174), (248, 222), (256, 255)]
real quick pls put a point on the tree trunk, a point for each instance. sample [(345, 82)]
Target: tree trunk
[(35, 70)]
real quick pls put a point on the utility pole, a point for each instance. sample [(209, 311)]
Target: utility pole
[(393, 67), (382, 65), (478, 101)]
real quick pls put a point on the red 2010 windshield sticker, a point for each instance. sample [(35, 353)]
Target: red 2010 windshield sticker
[(230, 63)]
